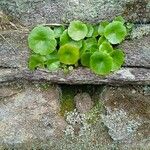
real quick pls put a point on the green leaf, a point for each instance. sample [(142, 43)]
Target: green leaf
[(101, 40), (58, 31), (90, 45), (101, 63), (52, 61), (90, 30), (53, 65), (105, 47), (119, 18), (52, 55), (118, 57), (64, 39), (68, 54), (77, 30), (95, 33), (36, 60), (85, 59), (41, 40), (115, 32), (102, 26)]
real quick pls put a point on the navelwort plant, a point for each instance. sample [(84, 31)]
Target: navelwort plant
[(92, 46)]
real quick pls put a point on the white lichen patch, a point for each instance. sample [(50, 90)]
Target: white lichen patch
[(125, 74), (140, 31), (81, 121), (120, 124)]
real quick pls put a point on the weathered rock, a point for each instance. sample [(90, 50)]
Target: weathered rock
[(140, 31), (137, 52), (8, 74), (10, 89), (13, 49), (85, 76), (127, 112), (83, 102), (33, 12), (30, 115)]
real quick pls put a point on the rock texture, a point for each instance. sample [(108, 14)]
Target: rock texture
[(127, 113), (31, 12), (83, 102), (30, 114)]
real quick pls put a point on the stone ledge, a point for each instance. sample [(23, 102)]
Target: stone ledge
[(139, 76)]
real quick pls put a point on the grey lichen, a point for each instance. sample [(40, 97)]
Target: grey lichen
[(119, 124), (140, 31)]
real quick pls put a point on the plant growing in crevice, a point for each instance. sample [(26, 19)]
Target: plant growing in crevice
[(92, 46)]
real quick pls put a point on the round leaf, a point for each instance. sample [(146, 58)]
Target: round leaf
[(101, 40), (58, 31), (119, 18), (53, 65), (64, 39), (41, 40), (105, 47), (101, 63), (36, 60), (52, 56), (118, 59), (115, 32), (77, 30), (90, 44), (95, 33), (90, 30), (102, 26), (85, 59), (68, 54)]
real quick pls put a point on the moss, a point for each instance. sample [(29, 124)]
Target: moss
[(94, 114), (67, 100)]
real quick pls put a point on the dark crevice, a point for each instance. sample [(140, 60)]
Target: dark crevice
[(8, 67), (140, 67)]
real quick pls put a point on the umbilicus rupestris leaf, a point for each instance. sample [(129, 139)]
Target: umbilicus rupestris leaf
[(58, 31), (101, 40), (95, 33), (52, 62), (102, 26), (101, 63), (105, 47), (90, 44), (118, 57), (68, 54), (115, 32), (85, 59), (77, 30), (36, 60), (90, 30), (42, 40), (119, 18), (64, 39)]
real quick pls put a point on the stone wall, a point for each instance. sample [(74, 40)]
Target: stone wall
[(37, 111)]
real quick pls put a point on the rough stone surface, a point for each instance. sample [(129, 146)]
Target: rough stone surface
[(31, 12), (85, 76), (83, 102), (127, 112), (13, 49), (137, 51), (29, 115)]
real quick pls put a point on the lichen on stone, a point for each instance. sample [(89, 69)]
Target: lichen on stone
[(140, 31)]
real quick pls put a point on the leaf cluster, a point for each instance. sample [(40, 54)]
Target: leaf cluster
[(92, 46)]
